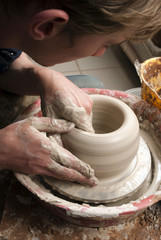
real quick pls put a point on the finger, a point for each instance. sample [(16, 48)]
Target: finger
[(56, 138), (50, 125), (67, 174), (67, 159)]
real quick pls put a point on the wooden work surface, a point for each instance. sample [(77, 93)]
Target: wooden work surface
[(24, 218)]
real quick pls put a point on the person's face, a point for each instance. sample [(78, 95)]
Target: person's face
[(61, 49)]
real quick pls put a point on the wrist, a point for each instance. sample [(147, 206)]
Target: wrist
[(45, 81)]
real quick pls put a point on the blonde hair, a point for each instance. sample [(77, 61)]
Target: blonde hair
[(141, 17)]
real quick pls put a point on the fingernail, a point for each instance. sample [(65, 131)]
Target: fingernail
[(94, 181)]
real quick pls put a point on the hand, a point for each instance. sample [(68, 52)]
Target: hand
[(58, 94), (25, 149), (61, 98)]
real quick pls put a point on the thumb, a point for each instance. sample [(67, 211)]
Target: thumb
[(50, 125)]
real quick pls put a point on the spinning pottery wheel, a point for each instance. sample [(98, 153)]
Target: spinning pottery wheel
[(116, 200), (119, 156)]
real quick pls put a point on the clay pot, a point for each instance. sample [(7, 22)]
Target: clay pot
[(112, 149)]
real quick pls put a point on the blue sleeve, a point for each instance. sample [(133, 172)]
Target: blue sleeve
[(7, 56)]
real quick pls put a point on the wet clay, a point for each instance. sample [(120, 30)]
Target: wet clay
[(111, 150), (121, 160)]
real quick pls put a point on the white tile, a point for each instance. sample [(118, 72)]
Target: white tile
[(114, 78), (108, 60), (66, 67), (71, 73)]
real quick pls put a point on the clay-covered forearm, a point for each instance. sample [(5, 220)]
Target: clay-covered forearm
[(21, 77)]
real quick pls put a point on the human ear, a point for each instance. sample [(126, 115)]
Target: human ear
[(47, 23)]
